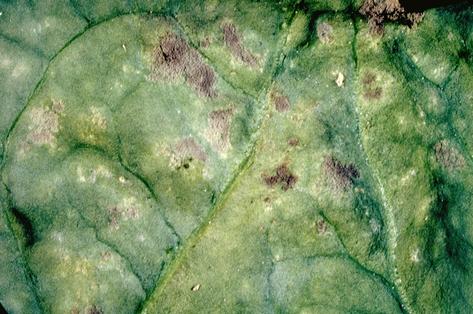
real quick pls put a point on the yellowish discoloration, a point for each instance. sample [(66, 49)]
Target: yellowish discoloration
[(44, 125), (100, 171), (20, 70), (98, 119), (218, 130), (406, 179)]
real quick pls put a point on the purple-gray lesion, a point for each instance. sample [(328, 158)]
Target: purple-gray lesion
[(232, 40), (282, 176), (448, 156), (173, 57), (280, 101), (342, 175)]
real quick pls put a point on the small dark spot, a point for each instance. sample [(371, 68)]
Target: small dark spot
[(371, 92), (368, 78), (57, 106), (221, 117), (185, 151), (26, 226), (114, 215), (205, 43), (267, 199), (74, 310), (232, 41), (324, 32), (448, 156), (270, 180), (213, 197), (280, 101), (343, 175), (94, 310), (283, 176), (293, 141), (321, 226), (106, 255), (464, 54)]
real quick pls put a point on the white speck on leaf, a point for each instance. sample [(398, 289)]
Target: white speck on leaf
[(340, 79), (415, 255)]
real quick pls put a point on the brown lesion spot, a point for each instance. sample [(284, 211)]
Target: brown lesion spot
[(218, 131), (233, 42), (113, 217), (173, 58), (293, 141), (325, 32), (57, 106), (94, 309), (448, 156), (106, 256), (380, 11), (281, 102), (370, 90), (373, 93), (321, 227), (282, 176), (342, 175), (368, 78), (205, 42), (172, 53), (185, 151)]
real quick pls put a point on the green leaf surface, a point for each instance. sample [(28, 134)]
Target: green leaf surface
[(234, 156)]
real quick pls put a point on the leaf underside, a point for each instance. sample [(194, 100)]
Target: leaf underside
[(234, 156)]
